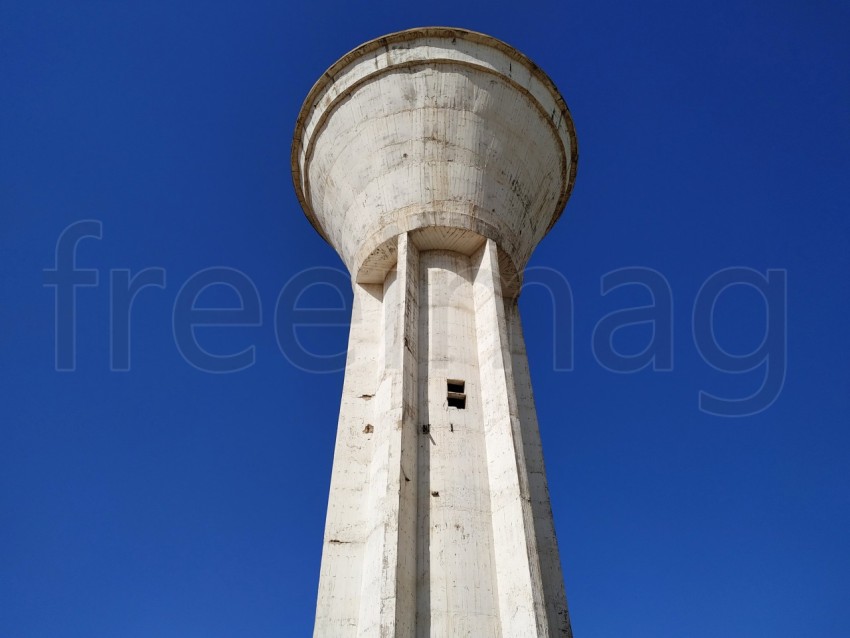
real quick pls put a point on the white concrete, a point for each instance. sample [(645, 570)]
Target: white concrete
[(457, 579), (433, 127), (434, 160)]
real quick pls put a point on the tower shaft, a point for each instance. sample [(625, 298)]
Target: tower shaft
[(439, 521)]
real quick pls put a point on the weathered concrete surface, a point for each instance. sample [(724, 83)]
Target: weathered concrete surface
[(434, 160), (433, 127)]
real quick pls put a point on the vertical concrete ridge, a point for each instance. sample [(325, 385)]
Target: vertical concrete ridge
[(408, 478), (388, 590), (521, 604)]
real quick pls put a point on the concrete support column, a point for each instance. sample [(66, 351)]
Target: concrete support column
[(520, 590), (346, 527), (388, 589)]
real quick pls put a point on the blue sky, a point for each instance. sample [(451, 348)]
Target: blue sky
[(169, 501)]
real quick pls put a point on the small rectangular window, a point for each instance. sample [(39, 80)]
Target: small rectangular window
[(455, 393), (458, 402), (455, 386)]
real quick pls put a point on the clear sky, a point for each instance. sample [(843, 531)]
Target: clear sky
[(151, 497)]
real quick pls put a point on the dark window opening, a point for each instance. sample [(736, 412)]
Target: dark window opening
[(455, 386), (455, 391), (457, 402)]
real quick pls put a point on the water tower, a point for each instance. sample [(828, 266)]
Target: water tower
[(434, 160)]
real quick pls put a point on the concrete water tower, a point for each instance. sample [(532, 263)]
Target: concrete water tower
[(434, 160)]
